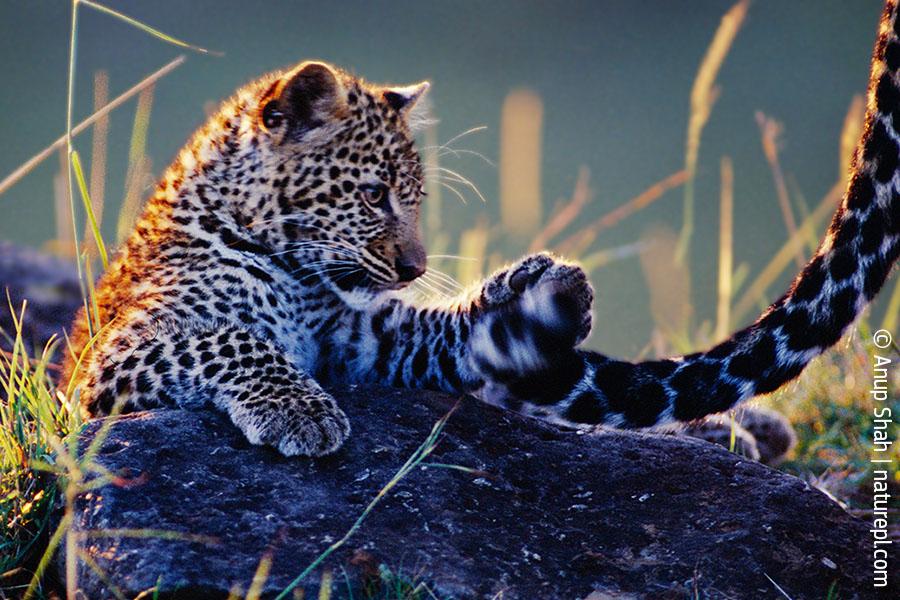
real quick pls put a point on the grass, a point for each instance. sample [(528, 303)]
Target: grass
[(832, 413), (32, 420), (42, 463), (703, 96), (421, 453)]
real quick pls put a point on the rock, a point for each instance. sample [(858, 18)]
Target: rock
[(549, 514), (49, 284)]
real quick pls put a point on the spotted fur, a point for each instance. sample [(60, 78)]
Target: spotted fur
[(271, 259), (846, 272)]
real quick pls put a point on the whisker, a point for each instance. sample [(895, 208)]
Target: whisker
[(322, 244), (325, 267), (438, 285), (456, 152), (446, 278), (430, 288), (326, 271), (452, 256), (348, 274), (464, 134), (336, 250), (408, 176), (459, 179), (329, 263), (307, 226), (454, 190)]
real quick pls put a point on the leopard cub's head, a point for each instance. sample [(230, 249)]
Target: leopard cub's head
[(338, 181)]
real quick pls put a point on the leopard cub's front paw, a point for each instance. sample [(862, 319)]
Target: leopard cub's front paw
[(553, 294), (296, 426), (532, 313)]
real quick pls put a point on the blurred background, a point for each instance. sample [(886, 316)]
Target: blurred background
[(580, 113)]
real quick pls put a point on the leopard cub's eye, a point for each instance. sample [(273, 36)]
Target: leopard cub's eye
[(271, 116), (376, 194)]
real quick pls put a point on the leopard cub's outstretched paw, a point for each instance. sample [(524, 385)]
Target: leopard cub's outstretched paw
[(532, 312), (296, 423)]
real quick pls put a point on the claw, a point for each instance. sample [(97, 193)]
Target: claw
[(519, 280)]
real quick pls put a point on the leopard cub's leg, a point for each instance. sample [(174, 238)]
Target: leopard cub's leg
[(773, 432), (270, 400), (760, 433), (719, 429), (297, 418)]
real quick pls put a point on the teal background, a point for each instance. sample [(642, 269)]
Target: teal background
[(615, 77)]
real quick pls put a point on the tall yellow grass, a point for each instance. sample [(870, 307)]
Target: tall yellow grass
[(64, 244), (669, 284), (755, 297), (520, 163), (473, 244), (755, 294), (726, 259), (434, 205), (565, 214), (100, 134), (770, 132), (139, 167), (703, 95)]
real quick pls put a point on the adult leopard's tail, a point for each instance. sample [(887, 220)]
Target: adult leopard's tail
[(845, 274)]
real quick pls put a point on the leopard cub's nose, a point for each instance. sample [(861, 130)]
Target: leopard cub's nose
[(409, 268)]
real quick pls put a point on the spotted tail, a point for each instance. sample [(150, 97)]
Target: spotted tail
[(847, 271)]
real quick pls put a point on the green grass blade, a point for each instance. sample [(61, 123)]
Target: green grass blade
[(88, 207), (55, 539), (703, 95), (146, 28), (411, 463), (732, 436)]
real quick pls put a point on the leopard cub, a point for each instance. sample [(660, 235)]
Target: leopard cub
[(272, 257)]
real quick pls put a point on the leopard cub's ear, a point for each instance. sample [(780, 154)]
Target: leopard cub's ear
[(306, 98), (411, 102)]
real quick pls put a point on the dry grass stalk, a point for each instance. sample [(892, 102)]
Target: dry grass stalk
[(473, 245), (770, 131), (756, 292), (726, 258), (577, 242), (98, 158), (64, 244), (26, 167), (601, 258), (812, 242), (581, 195), (520, 163), (433, 204), (850, 134), (669, 284), (138, 164), (703, 96)]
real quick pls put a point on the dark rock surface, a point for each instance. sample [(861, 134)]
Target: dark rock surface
[(558, 514), (49, 284)]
